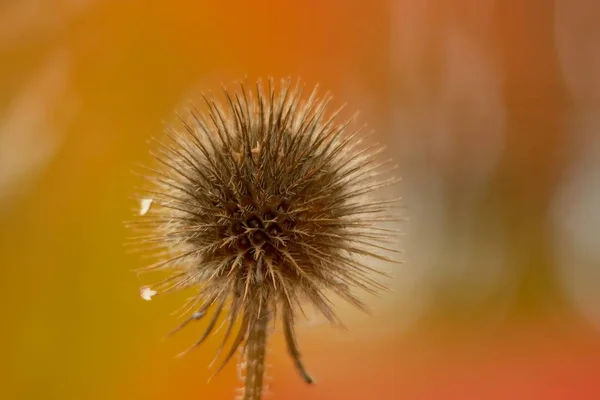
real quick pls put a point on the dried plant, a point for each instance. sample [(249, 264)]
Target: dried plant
[(263, 206)]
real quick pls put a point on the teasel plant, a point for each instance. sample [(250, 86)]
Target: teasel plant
[(264, 204)]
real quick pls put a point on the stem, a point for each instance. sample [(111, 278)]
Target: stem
[(255, 357)]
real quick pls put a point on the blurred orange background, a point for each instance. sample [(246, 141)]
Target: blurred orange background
[(492, 109)]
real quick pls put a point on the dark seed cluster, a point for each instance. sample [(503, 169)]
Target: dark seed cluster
[(264, 205)]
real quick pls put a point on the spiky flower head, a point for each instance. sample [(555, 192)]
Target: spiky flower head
[(263, 205)]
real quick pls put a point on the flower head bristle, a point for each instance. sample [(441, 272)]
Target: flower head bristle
[(263, 205)]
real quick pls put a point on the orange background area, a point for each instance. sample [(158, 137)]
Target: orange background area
[(98, 78)]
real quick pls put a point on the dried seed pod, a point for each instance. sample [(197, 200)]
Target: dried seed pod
[(263, 205)]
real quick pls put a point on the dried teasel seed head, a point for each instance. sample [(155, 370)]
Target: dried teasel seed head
[(263, 205)]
